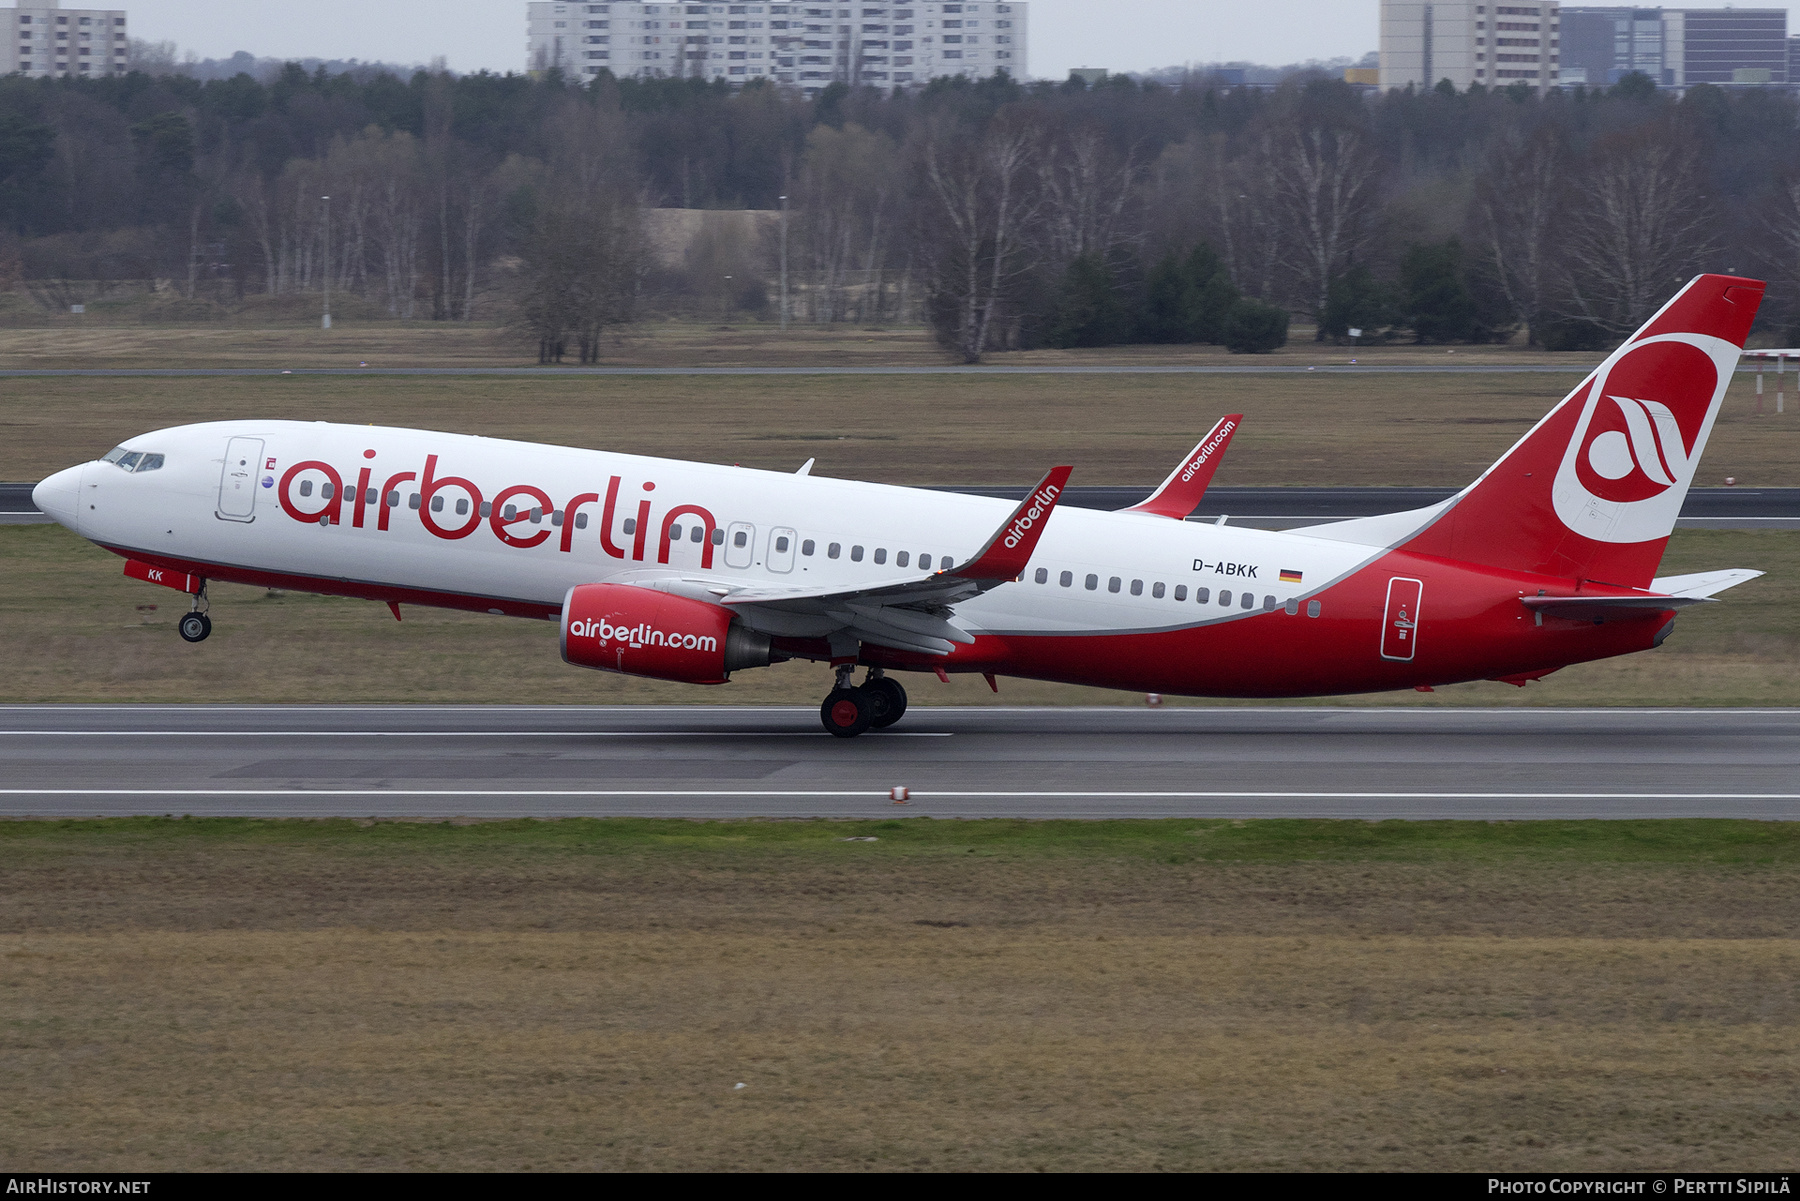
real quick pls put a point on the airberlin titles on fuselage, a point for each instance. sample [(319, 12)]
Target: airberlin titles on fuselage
[(426, 499)]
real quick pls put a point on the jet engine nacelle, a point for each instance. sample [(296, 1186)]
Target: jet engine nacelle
[(641, 632)]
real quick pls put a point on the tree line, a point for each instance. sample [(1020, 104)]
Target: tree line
[(1006, 215)]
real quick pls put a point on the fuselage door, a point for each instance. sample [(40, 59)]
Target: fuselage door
[(1400, 626), (781, 551), (237, 482), (740, 544)]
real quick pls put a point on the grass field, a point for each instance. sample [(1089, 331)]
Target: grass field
[(73, 629), (1179, 995), (1392, 429)]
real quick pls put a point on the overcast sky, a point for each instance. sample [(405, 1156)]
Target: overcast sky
[(1123, 35)]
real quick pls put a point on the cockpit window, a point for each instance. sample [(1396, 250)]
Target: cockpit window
[(130, 461), (149, 463), (114, 455), (133, 460)]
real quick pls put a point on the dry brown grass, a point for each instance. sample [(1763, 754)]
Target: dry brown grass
[(1393, 429), (265, 1001)]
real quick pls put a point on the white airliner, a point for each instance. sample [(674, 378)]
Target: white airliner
[(691, 571)]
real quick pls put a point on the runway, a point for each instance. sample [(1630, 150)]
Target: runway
[(603, 372), (716, 762), (1282, 508)]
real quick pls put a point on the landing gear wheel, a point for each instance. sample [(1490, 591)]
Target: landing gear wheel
[(846, 712), (890, 701), (195, 627)]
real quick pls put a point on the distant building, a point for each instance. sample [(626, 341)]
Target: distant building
[(49, 39), (1675, 47), (1363, 76), (809, 46), (1424, 42), (1088, 75)]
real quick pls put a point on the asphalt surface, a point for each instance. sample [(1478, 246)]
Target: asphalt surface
[(1232, 369), (968, 763), (1278, 508)]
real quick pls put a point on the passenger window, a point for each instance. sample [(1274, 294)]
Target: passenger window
[(1314, 608), (1249, 601), (437, 502), (330, 490), (1137, 587), (630, 522), (393, 502), (1114, 584), (1093, 582), (699, 535), (412, 502), (1293, 607), (924, 562), (511, 513), (718, 537), (1158, 591), (902, 558), (856, 554), (556, 517), (462, 507), (1271, 604), (807, 547), (1202, 595), (781, 545), (581, 521), (150, 463), (740, 540), (537, 515), (1043, 575), (487, 508), (881, 554), (834, 550), (306, 489), (1067, 579), (1225, 598), (674, 533), (1181, 592)]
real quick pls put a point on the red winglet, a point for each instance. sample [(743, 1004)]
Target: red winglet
[(1009, 551), (1180, 494)]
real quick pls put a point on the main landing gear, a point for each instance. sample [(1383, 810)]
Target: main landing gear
[(877, 704), (196, 626)]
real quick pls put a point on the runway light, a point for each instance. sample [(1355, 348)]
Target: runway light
[(899, 794), (1153, 699)]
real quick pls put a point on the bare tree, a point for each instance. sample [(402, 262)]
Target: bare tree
[(1088, 188), (1322, 183), (981, 201), (1519, 204), (1638, 227)]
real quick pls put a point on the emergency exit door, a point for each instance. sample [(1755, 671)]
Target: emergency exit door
[(1400, 626), (237, 482)]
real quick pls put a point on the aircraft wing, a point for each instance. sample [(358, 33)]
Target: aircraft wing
[(907, 614), (1180, 494)]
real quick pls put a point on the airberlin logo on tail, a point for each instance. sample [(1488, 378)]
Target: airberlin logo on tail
[(1643, 424), (1041, 500), (641, 635), (1207, 450)]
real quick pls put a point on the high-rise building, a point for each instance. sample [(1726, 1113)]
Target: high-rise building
[(807, 45), (1424, 42), (1675, 47), (48, 39)]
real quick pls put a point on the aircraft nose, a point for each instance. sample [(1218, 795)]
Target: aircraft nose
[(59, 496)]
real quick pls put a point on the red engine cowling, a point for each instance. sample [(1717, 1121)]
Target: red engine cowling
[(641, 632)]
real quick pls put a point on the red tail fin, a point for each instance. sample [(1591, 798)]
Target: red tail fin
[(1593, 491)]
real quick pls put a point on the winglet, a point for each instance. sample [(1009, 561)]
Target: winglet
[(1180, 494), (1009, 551)]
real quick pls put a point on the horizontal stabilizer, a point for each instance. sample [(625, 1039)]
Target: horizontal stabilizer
[(1586, 607), (1704, 583), (1181, 493)]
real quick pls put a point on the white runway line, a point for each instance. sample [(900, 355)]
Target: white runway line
[(453, 734)]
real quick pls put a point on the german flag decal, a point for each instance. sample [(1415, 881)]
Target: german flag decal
[(1290, 577)]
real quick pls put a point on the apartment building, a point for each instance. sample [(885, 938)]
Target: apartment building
[(1424, 42), (48, 39), (809, 46), (1676, 47)]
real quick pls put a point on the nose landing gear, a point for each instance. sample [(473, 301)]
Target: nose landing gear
[(196, 626), (876, 705)]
